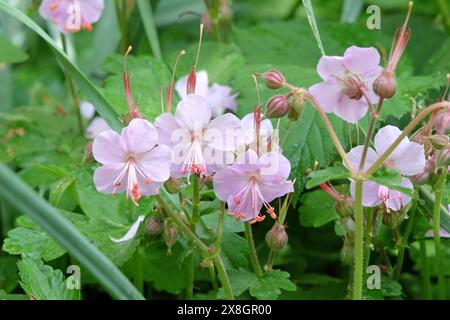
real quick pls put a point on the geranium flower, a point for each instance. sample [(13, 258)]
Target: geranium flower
[(408, 158), (345, 81), (267, 135), (131, 161), (97, 125), (72, 15), (253, 182), (219, 98), (199, 143)]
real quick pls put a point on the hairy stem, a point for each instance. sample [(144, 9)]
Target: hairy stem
[(223, 276), (425, 271), (438, 189), (190, 277), (404, 243), (220, 226), (195, 199), (359, 243), (368, 237), (251, 245)]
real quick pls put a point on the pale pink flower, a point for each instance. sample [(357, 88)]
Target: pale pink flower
[(199, 143), (72, 15), (219, 98), (408, 158), (253, 182), (97, 125), (268, 139), (131, 161), (344, 81), (87, 110)]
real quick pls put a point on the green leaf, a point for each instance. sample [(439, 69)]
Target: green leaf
[(163, 270), (316, 209), (312, 22), (9, 53), (147, 75), (265, 288), (101, 104), (391, 179), (8, 273), (316, 178), (145, 9), (24, 199), (268, 287), (42, 282)]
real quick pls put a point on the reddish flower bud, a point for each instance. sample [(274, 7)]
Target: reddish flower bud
[(442, 121), (439, 141), (385, 85), (154, 226), (191, 81), (88, 156), (277, 237), (277, 107), (274, 79)]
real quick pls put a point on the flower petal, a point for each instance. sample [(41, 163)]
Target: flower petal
[(104, 179), (397, 199), (327, 93), (330, 67), (87, 110), (369, 193), (361, 60), (156, 163), (193, 112), (139, 136), (354, 156), (222, 133), (169, 130), (91, 10), (350, 110), (274, 164), (249, 206), (219, 98), (273, 190), (108, 148), (201, 84), (131, 233), (228, 182)]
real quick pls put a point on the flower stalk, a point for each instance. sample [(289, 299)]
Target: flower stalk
[(359, 243), (253, 255)]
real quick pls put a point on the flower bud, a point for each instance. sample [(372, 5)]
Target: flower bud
[(393, 219), (277, 107), (443, 158), (170, 235), (439, 141), (277, 237), (191, 81), (154, 226), (296, 103), (347, 252), (442, 121), (274, 79), (345, 207), (173, 185), (421, 178), (88, 156), (385, 85)]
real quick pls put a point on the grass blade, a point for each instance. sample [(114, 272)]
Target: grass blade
[(351, 10), (145, 9), (313, 24), (101, 104), (21, 196)]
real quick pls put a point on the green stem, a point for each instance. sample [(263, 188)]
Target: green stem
[(182, 226), (212, 275), (406, 131), (220, 226), (438, 189), (73, 91), (359, 243), (332, 134), (223, 276), (426, 282), (251, 245), (138, 272), (191, 277), (404, 243), (369, 134), (368, 237), (195, 199)]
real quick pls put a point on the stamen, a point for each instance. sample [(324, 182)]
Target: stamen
[(54, 5), (271, 212)]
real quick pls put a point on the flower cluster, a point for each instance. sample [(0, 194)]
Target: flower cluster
[(240, 156)]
